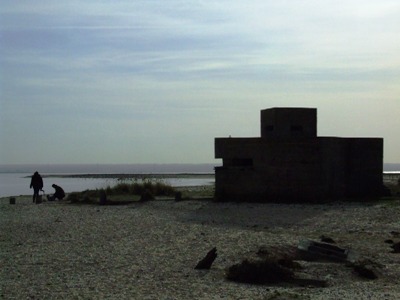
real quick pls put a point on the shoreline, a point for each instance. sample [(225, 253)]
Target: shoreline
[(14, 184), (197, 191)]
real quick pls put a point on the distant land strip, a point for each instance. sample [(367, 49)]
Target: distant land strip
[(132, 176)]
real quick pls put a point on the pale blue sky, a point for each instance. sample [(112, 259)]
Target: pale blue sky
[(157, 81)]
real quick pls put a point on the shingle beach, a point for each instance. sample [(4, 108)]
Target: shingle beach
[(149, 250)]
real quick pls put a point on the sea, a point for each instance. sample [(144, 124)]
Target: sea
[(15, 179)]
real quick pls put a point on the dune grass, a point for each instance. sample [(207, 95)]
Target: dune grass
[(124, 192), (156, 188)]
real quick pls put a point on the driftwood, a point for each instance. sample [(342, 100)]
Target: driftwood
[(208, 260), (316, 251)]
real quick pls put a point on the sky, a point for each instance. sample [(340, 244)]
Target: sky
[(157, 81)]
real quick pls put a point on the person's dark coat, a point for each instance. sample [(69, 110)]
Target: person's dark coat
[(36, 182), (59, 193)]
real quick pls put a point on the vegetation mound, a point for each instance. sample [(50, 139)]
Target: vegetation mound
[(123, 193)]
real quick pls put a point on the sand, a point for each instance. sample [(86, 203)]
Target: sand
[(56, 250)]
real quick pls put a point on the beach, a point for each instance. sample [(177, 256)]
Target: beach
[(56, 250)]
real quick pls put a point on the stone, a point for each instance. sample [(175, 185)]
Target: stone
[(395, 233), (259, 272), (208, 260), (365, 269), (327, 239), (396, 247), (365, 272)]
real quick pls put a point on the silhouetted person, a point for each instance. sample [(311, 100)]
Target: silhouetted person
[(58, 194), (37, 185)]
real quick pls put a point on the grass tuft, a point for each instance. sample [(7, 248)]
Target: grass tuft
[(146, 190)]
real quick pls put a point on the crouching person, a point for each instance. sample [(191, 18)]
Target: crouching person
[(58, 194)]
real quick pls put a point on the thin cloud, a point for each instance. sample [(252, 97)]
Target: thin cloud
[(201, 69)]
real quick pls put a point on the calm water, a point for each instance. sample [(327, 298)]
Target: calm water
[(15, 180)]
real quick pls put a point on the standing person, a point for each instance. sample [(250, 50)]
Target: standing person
[(58, 194), (37, 185)]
